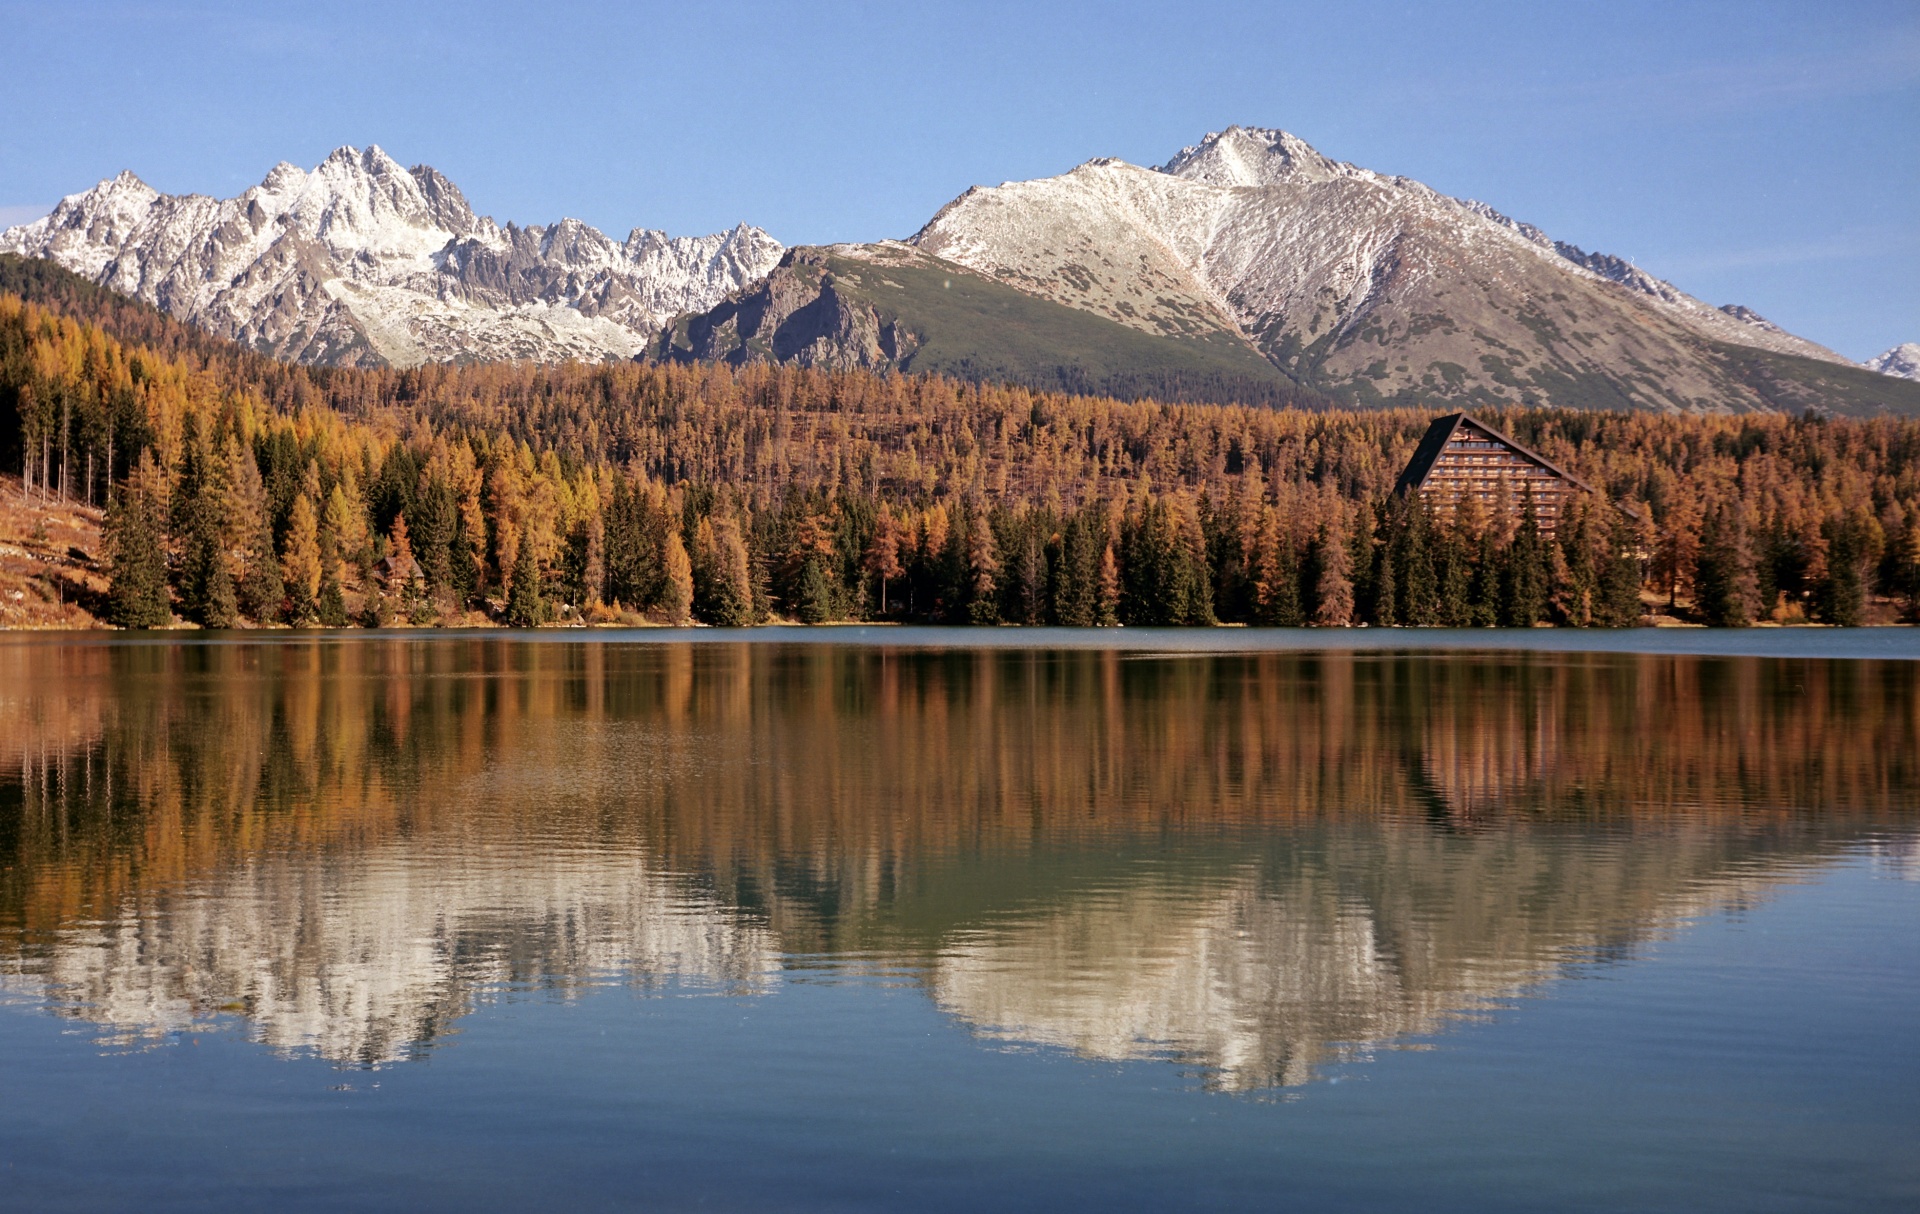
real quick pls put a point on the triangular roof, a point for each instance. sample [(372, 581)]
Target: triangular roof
[(1421, 465)]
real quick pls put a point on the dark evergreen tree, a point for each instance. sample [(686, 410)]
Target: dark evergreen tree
[(526, 605), (137, 595), (1076, 592), (1841, 596), (1525, 580), (1455, 560), (1726, 593), (208, 588), (1617, 600), (815, 598)]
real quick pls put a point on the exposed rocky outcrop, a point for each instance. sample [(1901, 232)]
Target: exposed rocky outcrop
[(362, 262)]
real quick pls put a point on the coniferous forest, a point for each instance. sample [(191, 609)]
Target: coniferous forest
[(241, 490)]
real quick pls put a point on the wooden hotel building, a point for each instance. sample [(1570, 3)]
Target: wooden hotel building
[(1462, 456)]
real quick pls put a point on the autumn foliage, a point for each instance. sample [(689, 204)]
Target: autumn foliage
[(243, 490)]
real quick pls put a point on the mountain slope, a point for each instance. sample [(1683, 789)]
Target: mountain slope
[(1374, 289), (892, 307), (362, 262)]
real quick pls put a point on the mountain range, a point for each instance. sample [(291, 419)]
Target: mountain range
[(1248, 266), (363, 263)]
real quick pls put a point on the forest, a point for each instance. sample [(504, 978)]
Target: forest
[(239, 490)]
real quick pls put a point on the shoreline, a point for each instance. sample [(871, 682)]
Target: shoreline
[(1896, 643)]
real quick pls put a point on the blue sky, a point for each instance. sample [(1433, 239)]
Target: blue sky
[(1756, 153)]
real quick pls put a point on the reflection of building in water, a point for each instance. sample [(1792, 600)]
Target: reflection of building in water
[(1229, 859), (365, 958)]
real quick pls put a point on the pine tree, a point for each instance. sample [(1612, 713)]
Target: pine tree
[(1906, 566), (635, 544), (815, 596), (209, 599), (1487, 583), (1076, 591), (247, 529), (1455, 558), (1276, 580), (346, 521), (1851, 548), (882, 557), (332, 607), (137, 596), (526, 605), (1419, 579), (730, 595), (1525, 581), (1726, 593), (1617, 599)]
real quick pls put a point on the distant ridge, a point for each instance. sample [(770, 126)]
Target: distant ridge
[(1248, 267), (1250, 263), (362, 262)]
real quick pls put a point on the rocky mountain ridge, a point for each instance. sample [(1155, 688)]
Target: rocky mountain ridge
[(1250, 258), (363, 262), (1903, 361), (1248, 266)]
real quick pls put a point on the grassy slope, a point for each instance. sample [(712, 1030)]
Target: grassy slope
[(1793, 383), (972, 327)]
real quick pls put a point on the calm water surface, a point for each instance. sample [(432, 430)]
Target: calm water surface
[(479, 921)]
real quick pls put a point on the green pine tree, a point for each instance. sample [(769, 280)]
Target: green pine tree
[(1524, 602), (816, 596), (526, 606), (209, 598), (1725, 590), (137, 595)]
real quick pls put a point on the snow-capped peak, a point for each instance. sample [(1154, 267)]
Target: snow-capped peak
[(1252, 156), (1902, 361), (360, 260)]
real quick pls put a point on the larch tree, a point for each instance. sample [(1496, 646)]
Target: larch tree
[(300, 569)]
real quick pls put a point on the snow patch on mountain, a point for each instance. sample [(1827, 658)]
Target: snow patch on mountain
[(363, 261), (1903, 361), (1332, 269)]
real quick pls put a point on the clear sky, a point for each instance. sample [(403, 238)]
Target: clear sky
[(1757, 153)]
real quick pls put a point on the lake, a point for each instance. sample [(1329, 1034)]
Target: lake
[(954, 920)]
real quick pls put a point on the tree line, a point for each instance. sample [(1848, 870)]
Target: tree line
[(240, 489)]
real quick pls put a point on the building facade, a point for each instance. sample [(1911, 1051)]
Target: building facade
[(1463, 457)]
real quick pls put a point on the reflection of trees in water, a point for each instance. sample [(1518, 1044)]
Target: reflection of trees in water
[(349, 842)]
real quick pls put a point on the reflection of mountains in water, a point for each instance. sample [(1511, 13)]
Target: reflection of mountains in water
[(1250, 864), (364, 959), (1261, 976)]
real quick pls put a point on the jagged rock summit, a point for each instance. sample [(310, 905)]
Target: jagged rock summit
[(1903, 361), (1248, 267), (363, 262), (1252, 255), (1371, 285)]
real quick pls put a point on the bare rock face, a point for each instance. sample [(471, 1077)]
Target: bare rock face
[(363, 262), (800, 313)]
